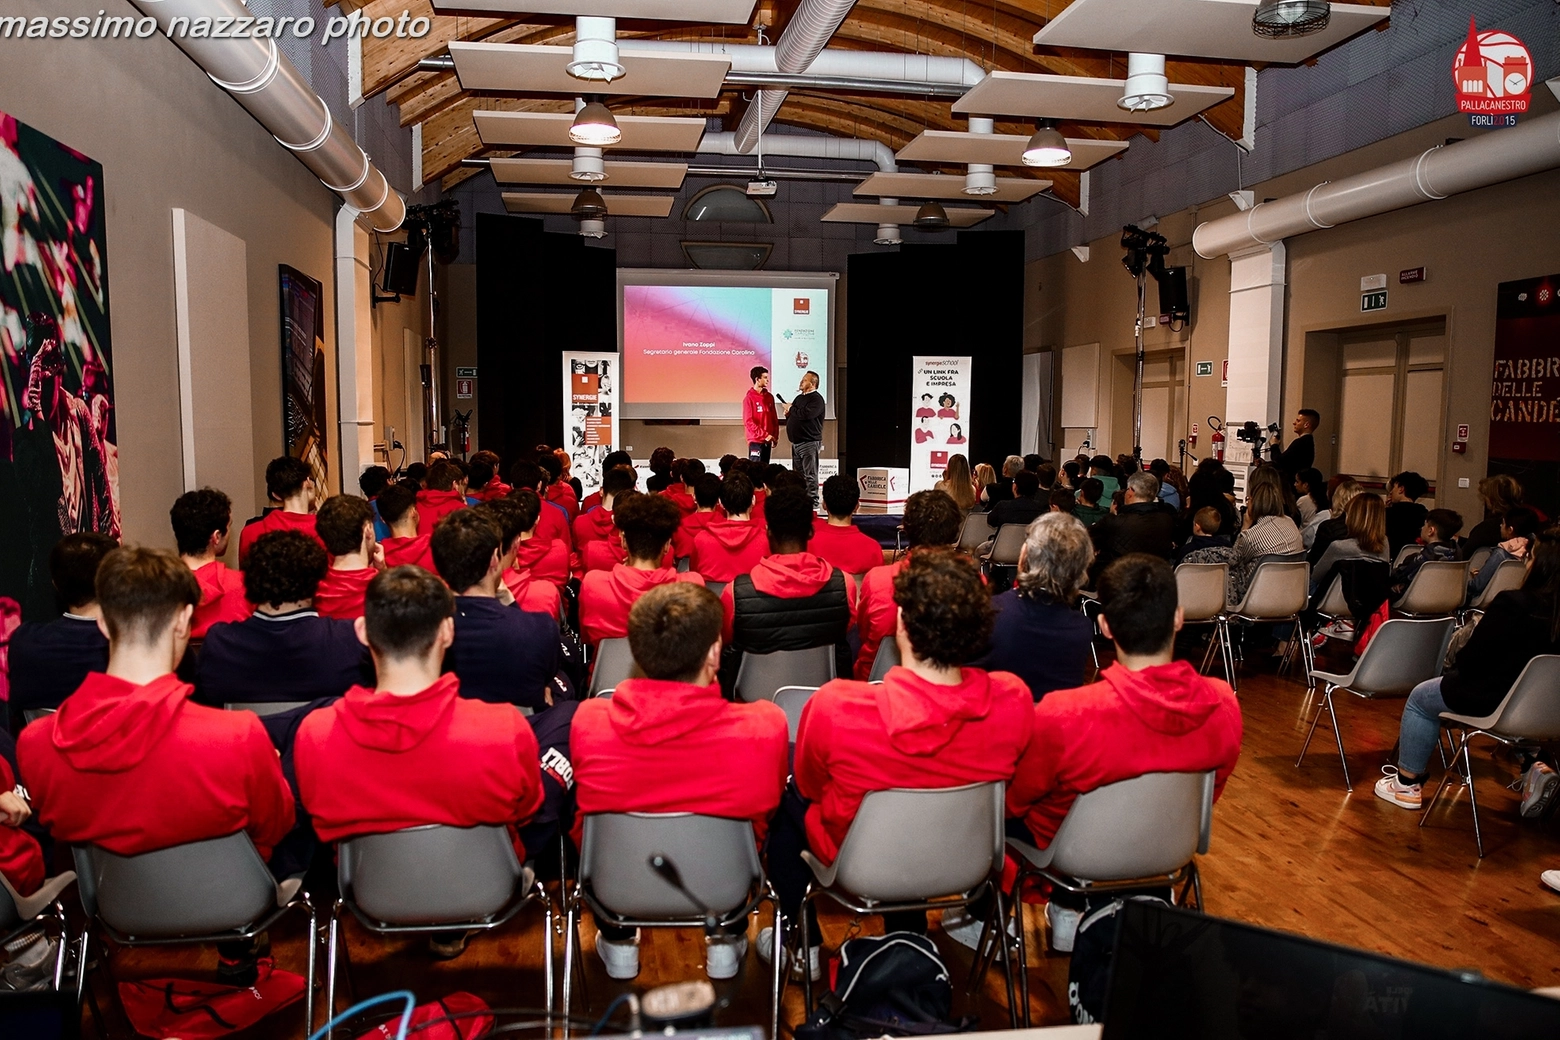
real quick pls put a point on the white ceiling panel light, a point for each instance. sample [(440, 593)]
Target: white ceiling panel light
[(1081, 99), (940, 186), (533, 69), (594, 126), (594, 55), (616, 173), (562, 203), (1047, 147), (551, 130), (1148, 88), (721, 12), (951, 146), (882, 216)]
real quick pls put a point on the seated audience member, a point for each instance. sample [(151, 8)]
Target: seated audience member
[(1211, 484), (603, 554), (1169, 494), (1089, 510), (1148, 713), (552, 521), (1043, 611), (647, 524), (1033, 462), (1025, 504), (1405, 516), (1334, 527), (1310, 494), (731, 546), (129, 763), (502, 654), (559, 490), (371, 482), (1439, 545), (1500, 494), (290, 484), (398, 508), (410, 751), (1045, 473), (1268, 530), (1062, 500), (529, 592), (1518, 625), (284, 651), (838, 540), (609, 462), (670, 743), (1517, 531), (1206, 545), (1101, 468), (1071, 474), (536, 557), (1366, 520), (706, 496), (931, 723), (346, 526), (21, 857), (596, 524), (416, 473), (661, 462), (1003, 487), (985, 476), (931, 519), (50, 659), (444, 494), (482, 480), (1143, 525), (958, 483), (685, 474), (201, 521)]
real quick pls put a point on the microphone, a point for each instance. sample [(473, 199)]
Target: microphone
[(672, 876), (780, 399)]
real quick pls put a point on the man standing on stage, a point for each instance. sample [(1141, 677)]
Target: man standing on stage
[(804, 428), (758, 416)]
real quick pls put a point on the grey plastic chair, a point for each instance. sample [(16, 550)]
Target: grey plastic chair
[(217, 890), (887, 657), (1279, 590), (614, 663), (1509, 575), (19, 914), (760, 675), (433, 879), (716, 587), (1402, 654), (1005, 548), (31, 715), (792, 699), (1200, 588), (1145, 832), (976, 531), (1528, 714), (922, 849), (1403, 555), (1437, 590), (718, 862), (1478, 556), (264, 708)]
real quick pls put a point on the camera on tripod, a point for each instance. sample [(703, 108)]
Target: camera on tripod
[(1251, 433)]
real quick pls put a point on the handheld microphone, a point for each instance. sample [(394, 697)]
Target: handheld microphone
[(780, 399), (672, 876)]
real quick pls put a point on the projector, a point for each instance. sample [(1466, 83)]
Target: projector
[(762, 187)]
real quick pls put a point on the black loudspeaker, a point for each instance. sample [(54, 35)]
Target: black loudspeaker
[(401, 264), (1172, 294)]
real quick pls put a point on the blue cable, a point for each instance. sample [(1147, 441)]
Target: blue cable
[(363, 1005)]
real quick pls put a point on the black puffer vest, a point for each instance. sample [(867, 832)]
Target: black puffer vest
[(762, 624)]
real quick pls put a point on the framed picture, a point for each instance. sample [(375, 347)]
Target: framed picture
[(303, 373)]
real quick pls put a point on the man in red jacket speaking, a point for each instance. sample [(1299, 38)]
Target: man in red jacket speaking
[(758, 416)]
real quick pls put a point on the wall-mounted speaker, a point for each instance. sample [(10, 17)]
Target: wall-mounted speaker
[(401, 264), (1172, 294)]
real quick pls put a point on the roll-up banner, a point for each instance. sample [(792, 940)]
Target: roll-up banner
[(590, 412), (939, 425)]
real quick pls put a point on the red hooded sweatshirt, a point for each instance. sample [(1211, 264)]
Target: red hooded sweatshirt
[(552, 524), (692, 524), (414, 550), (856, 737), (877, 615), (563, 494), (374, 762), (680, 494), (846, 547), (433, 506), (606, 596), (545, 561), (727, 548), (657, 746), (275, 520), (534, 594), (341, 594), (495, 490), (134, 769), (21, 858), (789, 576), (606, 553), (221, 597), (1164, 719), (596, 524)]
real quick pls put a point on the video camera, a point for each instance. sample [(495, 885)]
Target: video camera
[(1251, 433)]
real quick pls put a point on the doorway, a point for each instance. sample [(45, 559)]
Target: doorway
[(1164, 404), (1391, 393)]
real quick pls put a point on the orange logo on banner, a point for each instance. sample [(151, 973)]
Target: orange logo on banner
[(801, 305), (1493, 73)]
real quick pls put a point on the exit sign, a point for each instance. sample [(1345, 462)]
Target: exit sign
[(1373, 301), (1205, 368)]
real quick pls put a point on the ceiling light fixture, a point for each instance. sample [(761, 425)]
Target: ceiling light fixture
[(1147, 87), (595, 54), (588, 205), (887, 235), (588, 165), (1281, 19), (594, 126), (593, 229), (1047, 147), (931, 217)]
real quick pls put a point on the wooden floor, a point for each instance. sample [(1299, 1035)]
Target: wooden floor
[(1291, 849)]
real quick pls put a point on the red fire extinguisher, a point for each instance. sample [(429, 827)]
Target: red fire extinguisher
[(1216, 441)]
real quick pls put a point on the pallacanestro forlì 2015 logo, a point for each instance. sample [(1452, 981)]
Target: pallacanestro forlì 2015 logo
[(1493, 76)]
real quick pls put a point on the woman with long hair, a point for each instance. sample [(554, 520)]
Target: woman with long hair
[(1266, 531), (985, 476), (1366, 520), (1335, 526), (1500, 494), (958, 482), (1310, 493)]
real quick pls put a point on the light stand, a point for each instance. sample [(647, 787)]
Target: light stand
[(1137, 370), (1145, 255), (433, 397)]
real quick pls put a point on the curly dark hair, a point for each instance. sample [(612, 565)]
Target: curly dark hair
[(73, 566), (285, 477), (340, 521), (932, 518), (283, 567), (648, 522), (945, 606), (507, 514), (788, 514), (196, 516), (395, 500), (530, 504), (706, 490)]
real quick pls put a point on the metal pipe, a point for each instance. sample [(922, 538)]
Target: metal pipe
[(808, 81), (841, 176), (809, 28)]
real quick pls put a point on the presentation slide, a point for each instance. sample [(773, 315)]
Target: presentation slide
[(688, 348)]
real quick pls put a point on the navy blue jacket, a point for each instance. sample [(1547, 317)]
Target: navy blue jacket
[(502, 654), (290, 657), (49, 659), (1039, 640)]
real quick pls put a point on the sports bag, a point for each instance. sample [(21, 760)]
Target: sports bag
[(470, 1024), (886, 985), (192, 1010), (1088, 975)]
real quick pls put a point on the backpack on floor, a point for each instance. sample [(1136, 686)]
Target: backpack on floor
[(459, 1016), (1088, 975), (192, 1010), (886, 985)]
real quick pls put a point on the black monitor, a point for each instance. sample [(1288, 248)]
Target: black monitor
[(1178, 974)]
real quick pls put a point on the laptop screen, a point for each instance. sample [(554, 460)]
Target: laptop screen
[(1181, 974)]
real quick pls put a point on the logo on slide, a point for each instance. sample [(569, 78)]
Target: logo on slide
[(802, 360), (939, 458), (801, 305)]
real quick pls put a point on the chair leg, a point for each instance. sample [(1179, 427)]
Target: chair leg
[(1332, 713), (547, 955), (571, 941), (81, 959), (1228, 651), (1308, 654), (1473, 794), (806, 960), (332, 962), (1017, 912), (1446, 775), (777, 966), (313, 955), (1326, 696), (1000, 919)]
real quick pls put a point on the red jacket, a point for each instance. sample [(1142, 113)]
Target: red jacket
[(374, 762), (221, 597), (606, 596), (1165, 719), (692, 524), (534, 594), (588, 527), (433, 506), (563, 494), (134, 769), (789, 576), (492, 492), (592, 500), (413, 550), (656, 746), (21, 858), (877, 615), (552, 524), (856, 738), (341, 594), (755, 514), (547, 561), (727, 548), (275, 520), (846, 547), (680, 494), (758, 415)]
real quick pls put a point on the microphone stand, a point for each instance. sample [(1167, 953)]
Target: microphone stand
[(672, 876)]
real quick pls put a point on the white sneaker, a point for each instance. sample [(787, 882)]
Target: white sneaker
[(620, 956), (766, 942), (964, 929), (1064, 926), (1404, 796), (1551, 878), (723, 955)]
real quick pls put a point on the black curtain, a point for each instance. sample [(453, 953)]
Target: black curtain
[(964, 298), (538, 295)]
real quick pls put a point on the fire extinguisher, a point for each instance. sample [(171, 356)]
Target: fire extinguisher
[(1216, 441)]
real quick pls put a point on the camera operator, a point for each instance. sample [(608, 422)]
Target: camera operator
[(1301, 453)]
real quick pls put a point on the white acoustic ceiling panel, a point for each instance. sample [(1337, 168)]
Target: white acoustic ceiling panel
[(551, 130), (952, 146), (561, 202), (530, 69), (620, 174), (870, 213), (724, 12), (1196, 28), (940, 186), (1081, 99)]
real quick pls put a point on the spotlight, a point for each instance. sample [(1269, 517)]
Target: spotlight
[(1281, 19), (931, 217), (1047, 147), (588, 205), (594, 126)]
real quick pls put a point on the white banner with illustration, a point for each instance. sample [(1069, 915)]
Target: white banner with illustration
[(940, 421), (590, 412)]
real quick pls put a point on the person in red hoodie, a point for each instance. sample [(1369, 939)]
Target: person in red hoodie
[(290, 484), (346, 525), (559, 490), (553, 522), (685, 474), (729, 547), (1147, 714), (398, 508), (444, 494), (531, 593), (411, 751), (129, 763), (647, 524), (670, 743), (933, 722), (536, 558), (609, 462), (482, 483), (706, 496), (837, 539), (201, 521), (758, 417), (21, 857), (596, 524), (931, 518)]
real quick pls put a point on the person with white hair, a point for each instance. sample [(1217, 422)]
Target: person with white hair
[(1142, 524), (1002, 489)]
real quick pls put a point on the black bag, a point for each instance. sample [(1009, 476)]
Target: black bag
[(888, 985), (1089, 973)]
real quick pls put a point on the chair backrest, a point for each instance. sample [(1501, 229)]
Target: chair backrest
[(614, 663), (1403, 554), (1334, 604), (1278, 589), (887, 657), (911, 845), (1139, 828), (202, 888), (1438, 587), (10, 914), (31, 715), (1508, 576), (1009, 540), (717, 858), (760, 675), (1401, 654), (1478, 556), (792, 699), (429, 875), (1201, 589), (1531, 710), (976, 529), (716, 587), (264, 708)]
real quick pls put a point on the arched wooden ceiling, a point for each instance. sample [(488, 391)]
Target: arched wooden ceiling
[(992, 33)]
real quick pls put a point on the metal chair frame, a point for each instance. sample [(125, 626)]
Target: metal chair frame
[(1508, 575), (1216, 644), (1422, 576), (264, 708), (1235, 613), (29, 912)]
